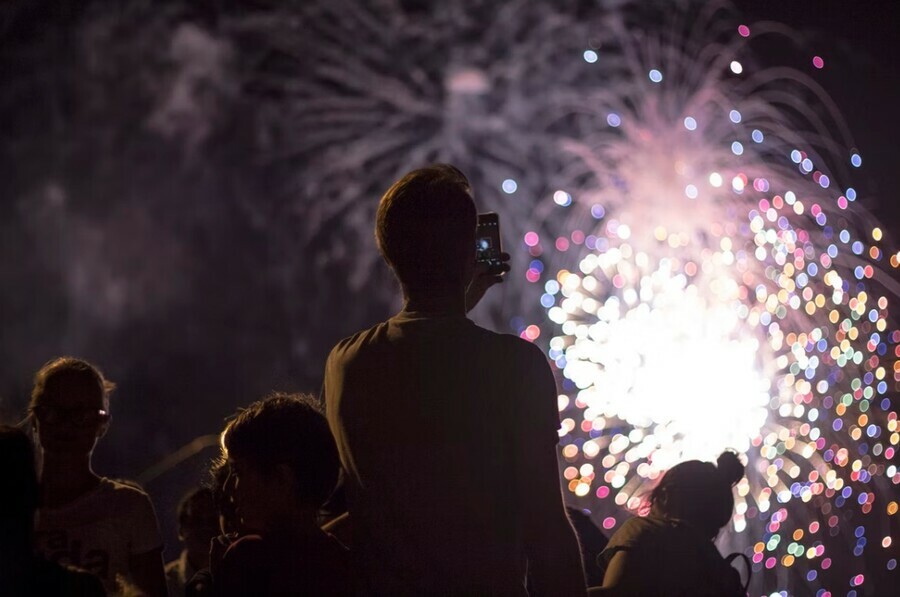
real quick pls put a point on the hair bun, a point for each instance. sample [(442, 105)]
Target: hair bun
[(730, 467)]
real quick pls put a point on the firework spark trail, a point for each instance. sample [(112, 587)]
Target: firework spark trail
[(364, 91), (680, 220)]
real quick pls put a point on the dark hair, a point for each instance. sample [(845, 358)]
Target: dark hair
[(197, 507), (19, 497), (218, 477), (287, 429), (699, 492), (425, 226), (222, 499), (70, 367)]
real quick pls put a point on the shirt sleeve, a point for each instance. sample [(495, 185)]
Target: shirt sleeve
[(624, 539), (540, 395), (144, 528)]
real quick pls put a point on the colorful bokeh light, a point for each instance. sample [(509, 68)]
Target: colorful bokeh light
[(727, 299)]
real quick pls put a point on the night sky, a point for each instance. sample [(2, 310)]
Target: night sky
[(180, 376), (858, 41)]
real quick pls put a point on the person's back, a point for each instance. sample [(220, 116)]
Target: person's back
[(433, 411), (671, 552), (671, 559), (447, 431)]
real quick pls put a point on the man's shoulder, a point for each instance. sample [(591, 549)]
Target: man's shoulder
[(528, 349), (520, 349), (512, 345), (513, 348), (351, 344)]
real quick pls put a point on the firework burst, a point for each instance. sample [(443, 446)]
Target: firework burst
[(686, 220), (361, 92), (715, 288)]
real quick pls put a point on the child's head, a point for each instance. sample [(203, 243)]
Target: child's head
[(198, 523), (281, 455), (699, 492), (70, 405)]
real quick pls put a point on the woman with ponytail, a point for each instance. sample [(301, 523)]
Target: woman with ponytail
[(671, 551)]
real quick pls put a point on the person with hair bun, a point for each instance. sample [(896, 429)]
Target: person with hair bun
[(671, 551)]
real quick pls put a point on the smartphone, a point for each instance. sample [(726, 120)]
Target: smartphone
[(487, 242)]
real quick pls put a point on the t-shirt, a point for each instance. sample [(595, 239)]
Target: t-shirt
[(671, 559), (99, 531), (311, 565), (430, 413)]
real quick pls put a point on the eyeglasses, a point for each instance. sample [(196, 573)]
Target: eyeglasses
[(80, 417)]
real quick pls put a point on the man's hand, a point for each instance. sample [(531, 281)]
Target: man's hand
[(482, 280)]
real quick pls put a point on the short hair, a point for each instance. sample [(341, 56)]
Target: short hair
[(69, 366), (425, 226), (287, 429), (221, 495), (218, 478), (700, 492), (197, 508)]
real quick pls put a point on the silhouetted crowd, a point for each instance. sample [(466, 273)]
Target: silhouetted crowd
[(427, 466)]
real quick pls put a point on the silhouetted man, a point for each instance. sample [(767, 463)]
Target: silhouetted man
[(447, 431)]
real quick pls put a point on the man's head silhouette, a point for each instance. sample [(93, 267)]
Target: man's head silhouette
[(425, 228)]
